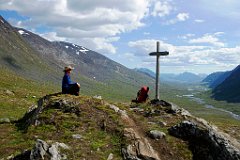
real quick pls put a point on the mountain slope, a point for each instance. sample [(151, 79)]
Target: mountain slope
[(34, 57), (17, 55), (214, 79), (85, 61), (92, 66), (146, 71), (229, 89)]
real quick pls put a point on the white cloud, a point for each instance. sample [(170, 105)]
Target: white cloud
[(208, 39), (144, 47), (146, 33), (181, 17), (82, 20), (161, 9), (129, 56), (104, 44), (224, 8), (219, 33), (186, 55), (199, 20), (52, 36), (186, 36)]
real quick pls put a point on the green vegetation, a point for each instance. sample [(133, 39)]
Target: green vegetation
[(177, 147), (233, 107), (58, 125), (115, 90), (22, 94), (16, 96), (96, 142)]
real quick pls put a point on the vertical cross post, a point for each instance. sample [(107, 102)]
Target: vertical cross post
[(158, 54), (157, 74)]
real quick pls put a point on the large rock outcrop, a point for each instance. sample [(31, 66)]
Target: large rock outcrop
[(205, 141), (31, 117), (42, 151)]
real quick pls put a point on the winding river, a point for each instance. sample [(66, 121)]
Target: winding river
[(204, 104)]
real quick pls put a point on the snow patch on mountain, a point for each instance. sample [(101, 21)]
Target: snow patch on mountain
[(79, 49), (74, 45), (83, 50), (23, 32)]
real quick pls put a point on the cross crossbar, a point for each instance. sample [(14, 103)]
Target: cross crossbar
[(159, 53)]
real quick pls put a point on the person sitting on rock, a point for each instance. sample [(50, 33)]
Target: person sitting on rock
[(142, 95), (69, 87)]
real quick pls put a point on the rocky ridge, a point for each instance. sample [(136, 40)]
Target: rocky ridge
[(96, 129)]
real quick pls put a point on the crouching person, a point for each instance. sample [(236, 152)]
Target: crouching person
[(69, 87), (142, 95)]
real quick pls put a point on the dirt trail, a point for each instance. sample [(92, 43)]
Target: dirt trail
[(140, 147)]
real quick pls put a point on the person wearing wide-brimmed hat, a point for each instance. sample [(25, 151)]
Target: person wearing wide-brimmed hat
[(69, 87)]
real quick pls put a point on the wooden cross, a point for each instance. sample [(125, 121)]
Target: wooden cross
[(158, 54)]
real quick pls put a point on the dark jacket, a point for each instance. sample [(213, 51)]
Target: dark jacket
[(66, 83)]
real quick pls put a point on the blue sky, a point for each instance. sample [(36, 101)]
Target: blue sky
[(202, 36)]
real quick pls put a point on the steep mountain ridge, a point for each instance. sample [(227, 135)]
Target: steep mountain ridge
[(85, 61), (214, 79), (228, 90), (36, 58), (88, 63), (17, 55)]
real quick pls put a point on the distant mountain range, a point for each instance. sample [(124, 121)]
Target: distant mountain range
[(190, 77), (185, 77), (33, 57), (216, 78), (225, 85)]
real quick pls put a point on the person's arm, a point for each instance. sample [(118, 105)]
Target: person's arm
[(69, 80)]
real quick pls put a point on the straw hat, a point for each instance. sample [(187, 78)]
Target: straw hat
[(68, 68)]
